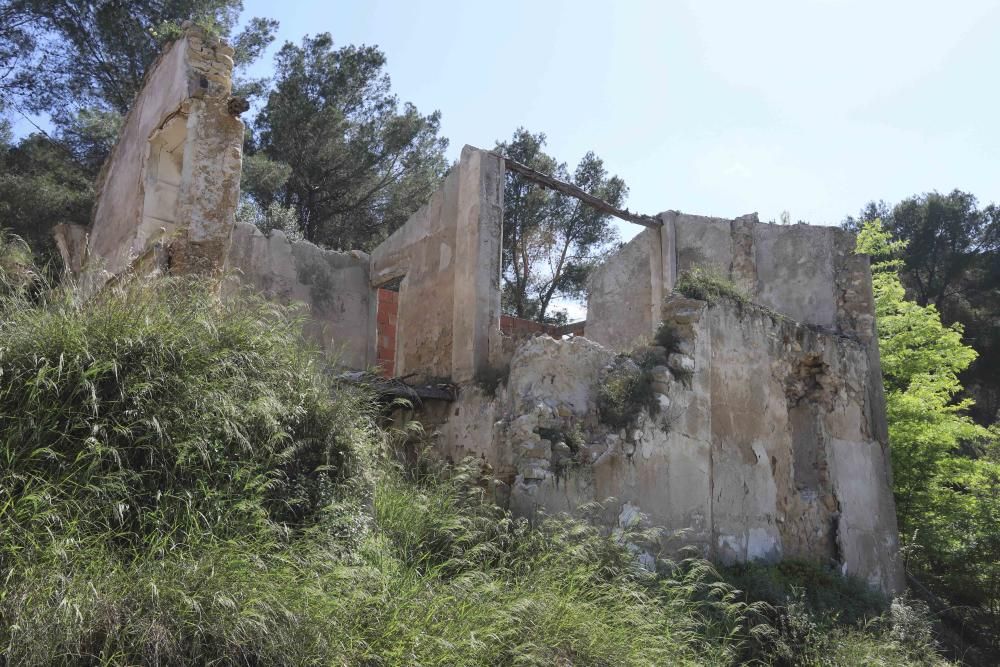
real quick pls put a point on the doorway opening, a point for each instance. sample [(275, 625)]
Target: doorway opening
[(386, 314)]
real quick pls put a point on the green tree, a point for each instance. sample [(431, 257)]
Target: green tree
[(945, 467), (82, 63), (17, 49), (358, 163), (551, 241), (952, 260), (89, 135), (42, 185), (46, 180), (95, 53)]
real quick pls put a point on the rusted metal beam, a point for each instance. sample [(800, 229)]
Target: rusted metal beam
[(573, 191)]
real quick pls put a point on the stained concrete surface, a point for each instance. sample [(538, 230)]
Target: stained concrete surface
[(333, 285), (448, 256), (167, 194), (768, 451)]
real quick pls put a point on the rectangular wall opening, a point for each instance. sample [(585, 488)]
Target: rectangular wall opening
[(543, 268), (557, 228), (386, 324)]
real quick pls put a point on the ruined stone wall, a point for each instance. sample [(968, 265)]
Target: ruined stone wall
[(625, 291), (761, 444), (448, 256), (808, 273), (760, 434), (167, 194), (335, 287)]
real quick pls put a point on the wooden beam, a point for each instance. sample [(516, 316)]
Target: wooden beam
[(573, 191)]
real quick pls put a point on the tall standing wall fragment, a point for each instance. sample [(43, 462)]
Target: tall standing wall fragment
[(447, 259), (167, 195)]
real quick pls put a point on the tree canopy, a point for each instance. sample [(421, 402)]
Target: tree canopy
[(946, 468), (333, 142), (95, 53), (332, 148), (42, 185), (952, 260), (551, 241)]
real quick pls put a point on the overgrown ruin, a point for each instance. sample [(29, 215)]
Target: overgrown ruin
[(748, 428)]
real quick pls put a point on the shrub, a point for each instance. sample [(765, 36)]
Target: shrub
[(627, 386), (18, 274), (668, 337), (157, 413), (817, 617), (823, 590), (625, 391), (708, 284)]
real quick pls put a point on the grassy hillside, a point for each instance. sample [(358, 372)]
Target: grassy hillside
[(180, 483)]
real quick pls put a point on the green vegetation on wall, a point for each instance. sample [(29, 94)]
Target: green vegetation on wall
[(708, 284)]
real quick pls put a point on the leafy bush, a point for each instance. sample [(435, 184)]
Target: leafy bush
[(627, 386), (824, 590), (147, 410), (668, 337), (625, 391), (708, 284), (18, 273), (815, 616)]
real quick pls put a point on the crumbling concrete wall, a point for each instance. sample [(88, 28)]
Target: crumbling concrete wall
[(167, 195), (760, 434), (448, 256), (759, 441), (335, 286), (625, 292), (808, 273)]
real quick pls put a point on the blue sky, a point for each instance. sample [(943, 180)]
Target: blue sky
[(716, 108)]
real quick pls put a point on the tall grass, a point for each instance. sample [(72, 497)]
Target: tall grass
[(18, 274), (707, 283), (180, 483), (490, 589), (156, 413), (158, 445)]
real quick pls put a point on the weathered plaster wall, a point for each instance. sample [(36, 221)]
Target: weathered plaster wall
[(448, 255), (807, 273), (334, 286), (800, 271), (624, 293), (769, 450), (167, 194)]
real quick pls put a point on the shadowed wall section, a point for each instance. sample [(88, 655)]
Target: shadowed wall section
[(447, 256)]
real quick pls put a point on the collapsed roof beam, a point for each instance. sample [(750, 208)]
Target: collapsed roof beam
[(573, 191)]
